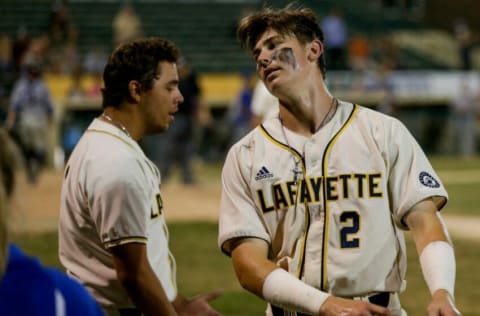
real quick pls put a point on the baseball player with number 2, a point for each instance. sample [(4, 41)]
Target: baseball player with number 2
[(315, 201)]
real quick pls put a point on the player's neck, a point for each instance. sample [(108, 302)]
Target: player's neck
[(122, 119), (308, 118)]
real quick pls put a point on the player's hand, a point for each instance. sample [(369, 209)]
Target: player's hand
[(197, 306), (442, 305), (335, 306)]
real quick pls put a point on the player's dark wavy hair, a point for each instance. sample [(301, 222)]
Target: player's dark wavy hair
[(137, 60), (291, 20)]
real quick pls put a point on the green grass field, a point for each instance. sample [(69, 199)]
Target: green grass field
[(202, 268)]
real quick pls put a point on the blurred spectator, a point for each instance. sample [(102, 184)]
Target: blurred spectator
[(335, 32), (63, 35), (387, 52), (463, 36), (26, 286), (76, 90), (19, 47), (7, 75), (61, 28), (127, 25), (178, 144), (465, 107), (70, 130), (65, 60), (240, 111), (95, 60), (30, 116), (94, 90), (359, 52), (387, 103), (264, 104)]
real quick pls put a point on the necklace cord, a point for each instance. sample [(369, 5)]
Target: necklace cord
[(333, 105), (115, 123)]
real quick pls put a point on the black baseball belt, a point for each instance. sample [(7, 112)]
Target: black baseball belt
[(129, 312)]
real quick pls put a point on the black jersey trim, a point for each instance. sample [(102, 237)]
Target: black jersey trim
[(126, 240)]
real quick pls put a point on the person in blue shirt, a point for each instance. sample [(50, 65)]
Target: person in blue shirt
[(27, 287), (30, 116)]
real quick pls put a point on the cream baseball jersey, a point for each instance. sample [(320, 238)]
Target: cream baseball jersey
[(111, 196), (330, 206)]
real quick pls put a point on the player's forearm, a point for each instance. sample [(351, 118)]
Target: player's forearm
[(251, 265), (147, 294), (436, 254), (426, 225)]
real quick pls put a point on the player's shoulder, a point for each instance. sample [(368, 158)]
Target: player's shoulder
[(104, 150), (375, 117), (108, 141)]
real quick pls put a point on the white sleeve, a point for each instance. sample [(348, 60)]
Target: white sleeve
[(239, 216), (119, 199), (263, 104), (412, 177)]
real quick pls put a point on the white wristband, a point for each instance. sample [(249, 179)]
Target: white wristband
[(438, 266), (284, 290)]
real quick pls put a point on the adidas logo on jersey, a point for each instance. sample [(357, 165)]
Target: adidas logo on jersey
[(263, 174)]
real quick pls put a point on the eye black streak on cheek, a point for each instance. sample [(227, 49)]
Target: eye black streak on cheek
[(285, 55)]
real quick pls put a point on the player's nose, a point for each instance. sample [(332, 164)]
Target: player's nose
[(264, 59), (179, 98)]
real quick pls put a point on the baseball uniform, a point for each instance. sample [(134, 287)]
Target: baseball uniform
[(331, 206), (264, 104), (111, 196)]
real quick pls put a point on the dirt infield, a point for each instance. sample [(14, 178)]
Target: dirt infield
[(36, 207)]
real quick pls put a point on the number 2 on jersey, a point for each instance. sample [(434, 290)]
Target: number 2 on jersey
[(352, 226)]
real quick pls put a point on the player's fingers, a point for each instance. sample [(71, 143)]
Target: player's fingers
[(379, 310), (212, 295), (214, 313)]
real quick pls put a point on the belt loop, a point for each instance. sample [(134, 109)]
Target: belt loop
[(382, 299)]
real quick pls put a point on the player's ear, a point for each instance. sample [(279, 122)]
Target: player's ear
[(134, 88), (314, 50)]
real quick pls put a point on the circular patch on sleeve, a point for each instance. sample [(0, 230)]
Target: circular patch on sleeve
[(427, 180)]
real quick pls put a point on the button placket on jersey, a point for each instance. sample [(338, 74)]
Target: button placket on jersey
[(313, 168)]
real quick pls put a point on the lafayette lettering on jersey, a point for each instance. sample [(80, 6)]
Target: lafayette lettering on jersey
[(344, 186)]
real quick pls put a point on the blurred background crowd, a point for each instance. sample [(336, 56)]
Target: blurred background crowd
[(418, 60)]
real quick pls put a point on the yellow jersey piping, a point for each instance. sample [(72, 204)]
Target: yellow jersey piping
[(323, 275), (301, 261)]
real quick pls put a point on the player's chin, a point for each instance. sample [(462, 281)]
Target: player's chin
[(166, 122), (161, 127), (273, 83)]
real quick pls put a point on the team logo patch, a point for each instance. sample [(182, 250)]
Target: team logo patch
[(263, 173), (427, 180)]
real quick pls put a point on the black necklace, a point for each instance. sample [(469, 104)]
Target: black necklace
[(296, 171)]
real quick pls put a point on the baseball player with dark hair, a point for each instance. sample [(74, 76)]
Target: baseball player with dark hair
[(112, 231), (315, 200)]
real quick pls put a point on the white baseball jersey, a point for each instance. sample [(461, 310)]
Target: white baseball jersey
[(111, 196), (330, 205), (264, 104)]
